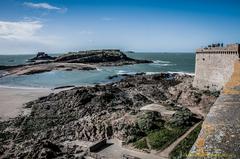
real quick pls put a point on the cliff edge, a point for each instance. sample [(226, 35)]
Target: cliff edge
[(220, 134)]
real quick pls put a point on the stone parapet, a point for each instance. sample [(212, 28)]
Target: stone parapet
[(220, 134)]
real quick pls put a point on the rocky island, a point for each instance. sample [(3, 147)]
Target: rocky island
[(82, 60), (66, 124), (41, 56)]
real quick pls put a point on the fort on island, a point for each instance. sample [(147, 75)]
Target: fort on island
[(214, 65)]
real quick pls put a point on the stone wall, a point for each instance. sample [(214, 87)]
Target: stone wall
[(213, 70), (220, 134)]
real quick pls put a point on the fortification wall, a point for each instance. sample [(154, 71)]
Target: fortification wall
[(220, 134), (213, 70)]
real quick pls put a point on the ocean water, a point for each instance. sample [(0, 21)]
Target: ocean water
[(163, 62)]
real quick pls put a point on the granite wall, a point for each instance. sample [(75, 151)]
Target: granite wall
[(213, 70)]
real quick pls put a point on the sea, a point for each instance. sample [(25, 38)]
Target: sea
[(182, 63)]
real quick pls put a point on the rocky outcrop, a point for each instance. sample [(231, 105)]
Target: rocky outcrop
[(46, 67), (82, 60), (94, 113), (41, 56), (100, 57)]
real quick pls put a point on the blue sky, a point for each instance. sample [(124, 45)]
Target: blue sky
[(29, 26)]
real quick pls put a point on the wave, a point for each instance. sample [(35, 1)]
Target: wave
[(120, 72), (153, 73), (163, 64), (182, 73), (160, 61), (99, 69)]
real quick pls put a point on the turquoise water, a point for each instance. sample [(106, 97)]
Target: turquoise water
[(163, 62)]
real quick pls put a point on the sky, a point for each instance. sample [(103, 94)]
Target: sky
[(58, 26)]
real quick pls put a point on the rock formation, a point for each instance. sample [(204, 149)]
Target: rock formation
[(41, 56), (94, 113), (82, 60), (99, 57)]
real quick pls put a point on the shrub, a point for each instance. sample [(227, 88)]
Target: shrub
[(183, 118), (159, 138), (163, 138), (149, 121), (141, 144)]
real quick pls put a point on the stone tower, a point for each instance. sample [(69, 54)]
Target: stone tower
[(214, 65)]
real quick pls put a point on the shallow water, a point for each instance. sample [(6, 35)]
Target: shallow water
[(163, 62)]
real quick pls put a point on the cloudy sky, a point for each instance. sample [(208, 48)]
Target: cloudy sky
[(29, 26)]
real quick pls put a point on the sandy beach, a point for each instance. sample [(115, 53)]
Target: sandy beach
[(12, 99)]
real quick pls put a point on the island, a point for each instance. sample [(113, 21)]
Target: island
[(82, 60)]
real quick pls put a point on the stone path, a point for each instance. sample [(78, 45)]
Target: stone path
[(116, 151)]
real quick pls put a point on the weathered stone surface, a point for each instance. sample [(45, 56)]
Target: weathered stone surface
[(220, 134), (214, 66)]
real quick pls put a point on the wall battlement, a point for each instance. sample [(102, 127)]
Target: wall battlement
[(214, 65)]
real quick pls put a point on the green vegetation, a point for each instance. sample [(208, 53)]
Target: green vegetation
[(182, 118), (150, 121), (152, 132), (182, 149), (141, 144), (164, 137)]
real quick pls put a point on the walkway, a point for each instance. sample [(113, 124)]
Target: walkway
[(117, 151)]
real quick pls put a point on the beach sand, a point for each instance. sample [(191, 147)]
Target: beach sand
[(12, 99)]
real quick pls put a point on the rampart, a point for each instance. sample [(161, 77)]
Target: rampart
[(220, 134), (214, 65)]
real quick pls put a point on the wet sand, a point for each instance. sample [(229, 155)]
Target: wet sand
[(12, 99)]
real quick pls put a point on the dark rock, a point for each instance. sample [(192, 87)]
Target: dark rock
[(62, 87), (102, 57), (113, 76), (41, 56)]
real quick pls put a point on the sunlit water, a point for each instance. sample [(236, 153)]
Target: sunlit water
[(163, 62)]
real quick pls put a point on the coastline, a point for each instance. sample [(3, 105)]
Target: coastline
[(104, 107), (13, 99)]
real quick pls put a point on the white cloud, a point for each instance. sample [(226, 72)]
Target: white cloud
[(41, 6), (25, 36), (22, 30)]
